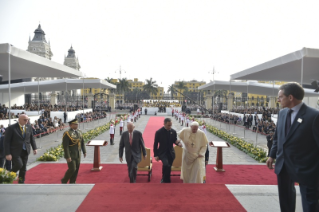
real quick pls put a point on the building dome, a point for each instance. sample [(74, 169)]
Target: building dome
[(71, 52)]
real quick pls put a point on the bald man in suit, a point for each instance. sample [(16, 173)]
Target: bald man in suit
[(132, 141), (18, 141)]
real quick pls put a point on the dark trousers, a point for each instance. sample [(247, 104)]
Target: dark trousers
[(287, 194), (287, 191), (309, 197), (132, 170), (167, 161), (72, 172), (20, 164)]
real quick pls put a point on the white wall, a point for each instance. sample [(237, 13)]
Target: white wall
[(312, 102), (71, 114), (16, 98), (13, 121), (29, 113), (152, 110)]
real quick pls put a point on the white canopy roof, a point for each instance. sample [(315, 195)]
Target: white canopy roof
[(56, 85), (253, 87), (286, 68), (26, 65)]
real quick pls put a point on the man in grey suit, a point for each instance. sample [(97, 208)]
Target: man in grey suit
[(296, 150), (133, 142), (18, 142)]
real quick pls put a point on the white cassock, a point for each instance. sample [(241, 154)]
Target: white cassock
[(121, 123), (195, 144)]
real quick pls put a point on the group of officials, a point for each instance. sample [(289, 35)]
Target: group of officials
[(295, 149), (193, 140)]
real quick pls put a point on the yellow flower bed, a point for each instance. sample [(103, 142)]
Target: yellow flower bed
[(255, 152), (55, 153)]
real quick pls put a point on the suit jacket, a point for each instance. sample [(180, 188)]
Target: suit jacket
[(299, 150), (165, 144), (135, 149), (13, 140)]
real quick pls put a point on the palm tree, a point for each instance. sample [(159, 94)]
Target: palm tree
[(181, 86), (109, 80), (150, 87), (221, 93), (172, 90), (123, 85)]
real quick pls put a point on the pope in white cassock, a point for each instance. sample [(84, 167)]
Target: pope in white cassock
[(194, 145)]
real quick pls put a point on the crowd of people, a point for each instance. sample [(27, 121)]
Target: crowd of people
[(262, 125), (44, 108), (255, 110), (161, 104)]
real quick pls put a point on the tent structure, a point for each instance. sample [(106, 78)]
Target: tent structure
[(23, 64), (56, 85), (250, 87), (300, 66)]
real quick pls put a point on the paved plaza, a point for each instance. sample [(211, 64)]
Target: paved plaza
[(51, 197)]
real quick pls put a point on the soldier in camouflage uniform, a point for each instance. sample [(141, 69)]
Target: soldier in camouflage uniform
[(72, 144)]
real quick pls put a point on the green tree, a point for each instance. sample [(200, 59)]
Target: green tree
[(123, 86), (181, 86), (150, 87), (221, 93), (172, 90), (109, 80)]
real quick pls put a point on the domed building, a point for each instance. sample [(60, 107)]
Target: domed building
[(71, 60)]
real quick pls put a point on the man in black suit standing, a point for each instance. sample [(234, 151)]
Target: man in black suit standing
[(133, 142), (18, 142), (296, 150), (163, 148), (64, 116)]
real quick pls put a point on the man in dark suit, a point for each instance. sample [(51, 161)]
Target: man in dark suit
[(18, 142), (296, 150), (133, 142), (64, 116), (163, 148)]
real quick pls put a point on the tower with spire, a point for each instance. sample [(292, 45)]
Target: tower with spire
[(38, 45), (71, 60)]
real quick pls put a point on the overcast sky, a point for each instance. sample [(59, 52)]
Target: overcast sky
[(166, 40)]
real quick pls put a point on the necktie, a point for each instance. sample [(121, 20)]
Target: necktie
[(131, 139), (288, 122), (23, 135)]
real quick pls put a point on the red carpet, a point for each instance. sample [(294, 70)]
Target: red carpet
[(153, 124), (117, 173), (160, 197)]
